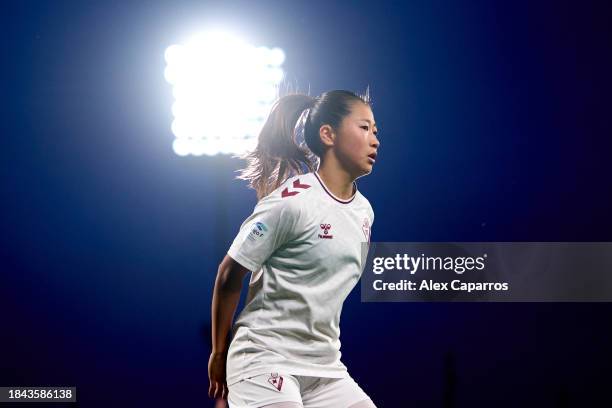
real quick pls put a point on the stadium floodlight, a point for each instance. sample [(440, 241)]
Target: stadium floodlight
[(223, 89)]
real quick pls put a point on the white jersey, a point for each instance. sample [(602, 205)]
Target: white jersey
[(303, 246)]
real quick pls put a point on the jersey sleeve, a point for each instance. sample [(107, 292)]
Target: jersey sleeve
[(271, 225)]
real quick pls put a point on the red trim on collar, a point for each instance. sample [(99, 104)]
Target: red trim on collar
[(334, 197)]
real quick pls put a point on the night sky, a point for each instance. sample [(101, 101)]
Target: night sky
[(495, 125)]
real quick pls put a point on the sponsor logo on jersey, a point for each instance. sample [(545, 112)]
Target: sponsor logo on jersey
[(297, 186), (276, 380), (325, 228), (258, 230)]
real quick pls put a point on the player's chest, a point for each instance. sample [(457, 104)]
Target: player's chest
[(334, 237), (339, 228)]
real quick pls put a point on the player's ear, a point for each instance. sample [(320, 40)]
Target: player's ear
[(327, 135)]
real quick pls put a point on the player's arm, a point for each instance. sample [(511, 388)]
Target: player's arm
[(226, 295)]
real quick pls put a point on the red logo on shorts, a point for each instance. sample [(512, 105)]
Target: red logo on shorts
[(276, 380)]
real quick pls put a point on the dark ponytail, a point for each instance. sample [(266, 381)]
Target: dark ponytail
[(277, 156), (284, 149)]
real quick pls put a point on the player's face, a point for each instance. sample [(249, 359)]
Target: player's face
[(356, 145)]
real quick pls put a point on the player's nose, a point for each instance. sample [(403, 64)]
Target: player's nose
[(375, 142)]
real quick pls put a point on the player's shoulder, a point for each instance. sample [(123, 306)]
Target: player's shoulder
[(292, 194), (295, 189), (364, 202)]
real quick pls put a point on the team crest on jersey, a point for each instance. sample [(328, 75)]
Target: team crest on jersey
[(325, 229), (258, 230), (276, 380), (366, 229)]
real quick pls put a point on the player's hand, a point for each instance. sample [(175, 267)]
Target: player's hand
[(216, 375)]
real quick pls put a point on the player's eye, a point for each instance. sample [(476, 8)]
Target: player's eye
[(366, 128)]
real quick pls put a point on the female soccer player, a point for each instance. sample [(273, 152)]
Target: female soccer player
[(303, 246)]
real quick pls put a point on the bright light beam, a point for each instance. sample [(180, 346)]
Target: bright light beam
[(223, 90)]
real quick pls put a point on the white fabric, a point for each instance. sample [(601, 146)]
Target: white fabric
[(269, 389), (304, 248)]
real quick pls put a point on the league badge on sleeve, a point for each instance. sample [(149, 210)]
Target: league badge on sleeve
[(258, 231)]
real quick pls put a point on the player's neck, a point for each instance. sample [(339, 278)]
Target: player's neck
[(337, 181)]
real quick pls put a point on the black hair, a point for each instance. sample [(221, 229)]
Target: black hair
[(279, 153)]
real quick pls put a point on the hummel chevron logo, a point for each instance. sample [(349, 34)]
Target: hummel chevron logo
[(296, 184), (326, 228)]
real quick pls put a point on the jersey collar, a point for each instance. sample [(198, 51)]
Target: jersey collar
[(341, 201)]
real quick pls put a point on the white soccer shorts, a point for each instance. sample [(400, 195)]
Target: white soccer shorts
[(309, 392)]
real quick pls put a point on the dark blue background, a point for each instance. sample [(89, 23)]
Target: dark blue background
[(495, 126)]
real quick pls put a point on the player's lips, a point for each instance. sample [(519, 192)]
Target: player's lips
[(372, 156)]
